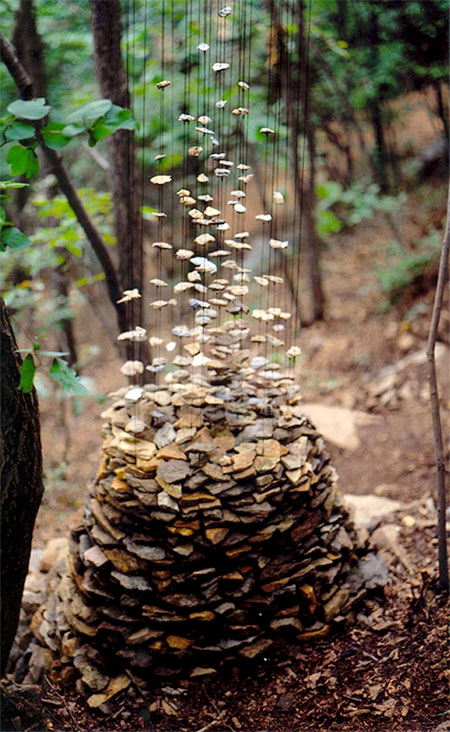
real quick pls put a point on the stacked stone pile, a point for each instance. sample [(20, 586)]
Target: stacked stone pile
[(212, 529)]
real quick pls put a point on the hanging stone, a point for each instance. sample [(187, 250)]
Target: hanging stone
[(184, 253), (132, 368), (221, 172), (158, 283), (264, 218), (202, 178), (217, 67), (243, 85), (203, 47), (278, 244), (161, 245), (278, 197), (221, 104), (129, 295), (160, 180), (225, 12), (163, 84), (267, 131), (186, 118), (195, 151)]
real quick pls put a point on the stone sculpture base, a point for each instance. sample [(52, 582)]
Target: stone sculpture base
[(212, 529)]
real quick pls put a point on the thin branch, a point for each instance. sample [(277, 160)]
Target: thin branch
[(435, 411), (22, 80)]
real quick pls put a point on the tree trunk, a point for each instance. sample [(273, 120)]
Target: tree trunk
[(31, 54), (21, 482), (313, 244), (106, 26)]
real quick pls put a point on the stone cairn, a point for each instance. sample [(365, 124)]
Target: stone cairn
[(212, 530)]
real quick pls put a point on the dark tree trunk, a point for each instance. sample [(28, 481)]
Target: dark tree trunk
[(106, 26), (441, 108), (31, 53), (21, 482)]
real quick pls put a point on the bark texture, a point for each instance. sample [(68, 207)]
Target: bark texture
[(21, 481)]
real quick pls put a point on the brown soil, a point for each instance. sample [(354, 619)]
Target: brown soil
[(385, 672)]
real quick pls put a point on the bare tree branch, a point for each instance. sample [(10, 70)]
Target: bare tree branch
[(435, 412), (23, 82)]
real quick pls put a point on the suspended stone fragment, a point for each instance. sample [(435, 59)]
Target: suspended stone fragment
[(186, 118), (264, 218), (278, 244), (163, 84), (243, 85), (246, 178), (239, 111), (203, 239), (204, 131), (195, 151), (184, 253), (221, 172), (221, 104), (202, 178), (129, 295), (183, 286), (161, 180), (161, 245), (204, 265), (155, 341), (137, 335), (293, 352), (132, 368), (240, 208), (278, 197), (194, 213), (220, 67), (203, 47), (267, 131), (158, 283)]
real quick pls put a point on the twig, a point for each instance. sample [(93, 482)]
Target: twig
[(64, 703), (95, 155), (208, 726), (435, 411)]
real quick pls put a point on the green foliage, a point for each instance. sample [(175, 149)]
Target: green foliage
[(59, 370), (97, 120), (405, 268), (27, 373), (34, 109), (340, 207)]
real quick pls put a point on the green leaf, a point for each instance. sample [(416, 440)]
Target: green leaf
[(22, 161), (54, 137), (14, 238), (66, 377), (73, 130), (34, 109), (19, 131), (99, 131), (119, 118), (90, 112), (2, 216), (27, 373), (6, 184)]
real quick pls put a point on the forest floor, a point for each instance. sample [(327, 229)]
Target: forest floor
[(388, 670)]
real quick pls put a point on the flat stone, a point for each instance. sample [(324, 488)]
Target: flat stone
[(131, 583), (270, 448), (95, 556), (147, 466), (161, 397), (265, 464), (202, 671), (243, 460), (118, 683), (334, 605), (166, 501), (173, 471), (171, 452), (165, 435), (121, 560), (293, 461), (216, 535), (150, 553), (178, 642), (286, 624), (185, 434), (92, 677), (144, 634), (203, 615), (213, 471), (255, 649)]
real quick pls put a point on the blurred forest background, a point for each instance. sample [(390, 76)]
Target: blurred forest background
[(371, 80)]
